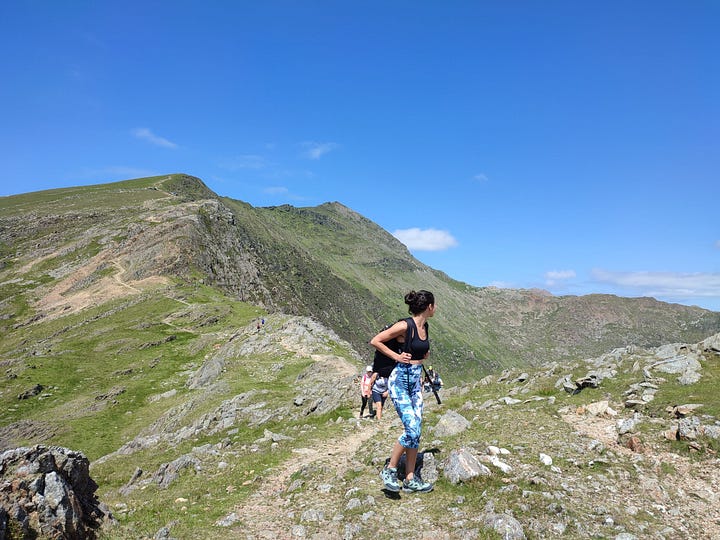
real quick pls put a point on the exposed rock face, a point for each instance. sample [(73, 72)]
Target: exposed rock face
[(47, 492)]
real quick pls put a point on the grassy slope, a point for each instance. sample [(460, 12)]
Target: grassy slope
[(82, 358), (379, 268), (476, 330), (99, 367)]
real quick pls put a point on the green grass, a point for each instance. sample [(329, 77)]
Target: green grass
[(124, 344), (13, 308), (115, 195), (81, 357), (326, 262), (704, 391)]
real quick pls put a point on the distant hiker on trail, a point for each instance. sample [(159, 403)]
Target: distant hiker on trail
[(432, 380), (379, 393), (366, 391), (406, 389)]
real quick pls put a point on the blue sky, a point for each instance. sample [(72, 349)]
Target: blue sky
[(570, 146)]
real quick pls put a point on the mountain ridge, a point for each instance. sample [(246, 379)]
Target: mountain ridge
[(327, 262)]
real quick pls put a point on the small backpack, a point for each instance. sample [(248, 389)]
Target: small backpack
[(384, 365)]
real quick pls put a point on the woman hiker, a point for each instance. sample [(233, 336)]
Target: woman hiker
[(366, 384), (405, 387), (379, 393)]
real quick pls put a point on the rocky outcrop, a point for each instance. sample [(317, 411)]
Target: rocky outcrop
[(47, 492)]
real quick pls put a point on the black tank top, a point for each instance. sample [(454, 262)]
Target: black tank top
[(418, 347)]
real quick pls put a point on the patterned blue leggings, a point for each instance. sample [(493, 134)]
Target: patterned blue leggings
[(406, 393)]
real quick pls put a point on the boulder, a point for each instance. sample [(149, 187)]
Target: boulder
[(451, 423), (505, 525), (711, 344), (688, 428), (47, 492), (686, 366), (462, 465), (681, 411)]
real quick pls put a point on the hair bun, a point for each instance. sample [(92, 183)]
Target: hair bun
[(419, 301)]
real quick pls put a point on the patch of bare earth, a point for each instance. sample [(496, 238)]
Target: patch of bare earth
[(330, 363), (25, 430), (63, 299)]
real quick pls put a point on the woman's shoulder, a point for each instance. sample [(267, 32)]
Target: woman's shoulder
[(402, 324), (407, 322)]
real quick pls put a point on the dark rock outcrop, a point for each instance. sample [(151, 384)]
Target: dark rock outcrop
[(47, 492)]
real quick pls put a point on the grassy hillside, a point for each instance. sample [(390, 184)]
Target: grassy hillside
[(476, 329), (68, 249)]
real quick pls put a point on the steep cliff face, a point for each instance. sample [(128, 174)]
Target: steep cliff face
[(132, 238)]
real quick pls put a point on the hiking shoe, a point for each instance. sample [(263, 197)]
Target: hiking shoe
[(389, 478), (417, 486)]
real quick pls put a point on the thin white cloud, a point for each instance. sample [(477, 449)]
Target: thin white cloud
[(283, 193), (480, 177), (276, 190), (666, 285), (717, 244), (146, 134), (316, 150), (425, 239), (554, 277), (244, 161)]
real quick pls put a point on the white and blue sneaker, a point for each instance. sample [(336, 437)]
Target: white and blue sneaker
[(390, 479), (416, 485)]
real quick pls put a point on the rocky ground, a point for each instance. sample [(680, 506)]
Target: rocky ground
[(520, 466), (333, 491), (581, 451)]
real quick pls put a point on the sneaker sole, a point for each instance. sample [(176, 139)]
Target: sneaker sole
[(408, 490)]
